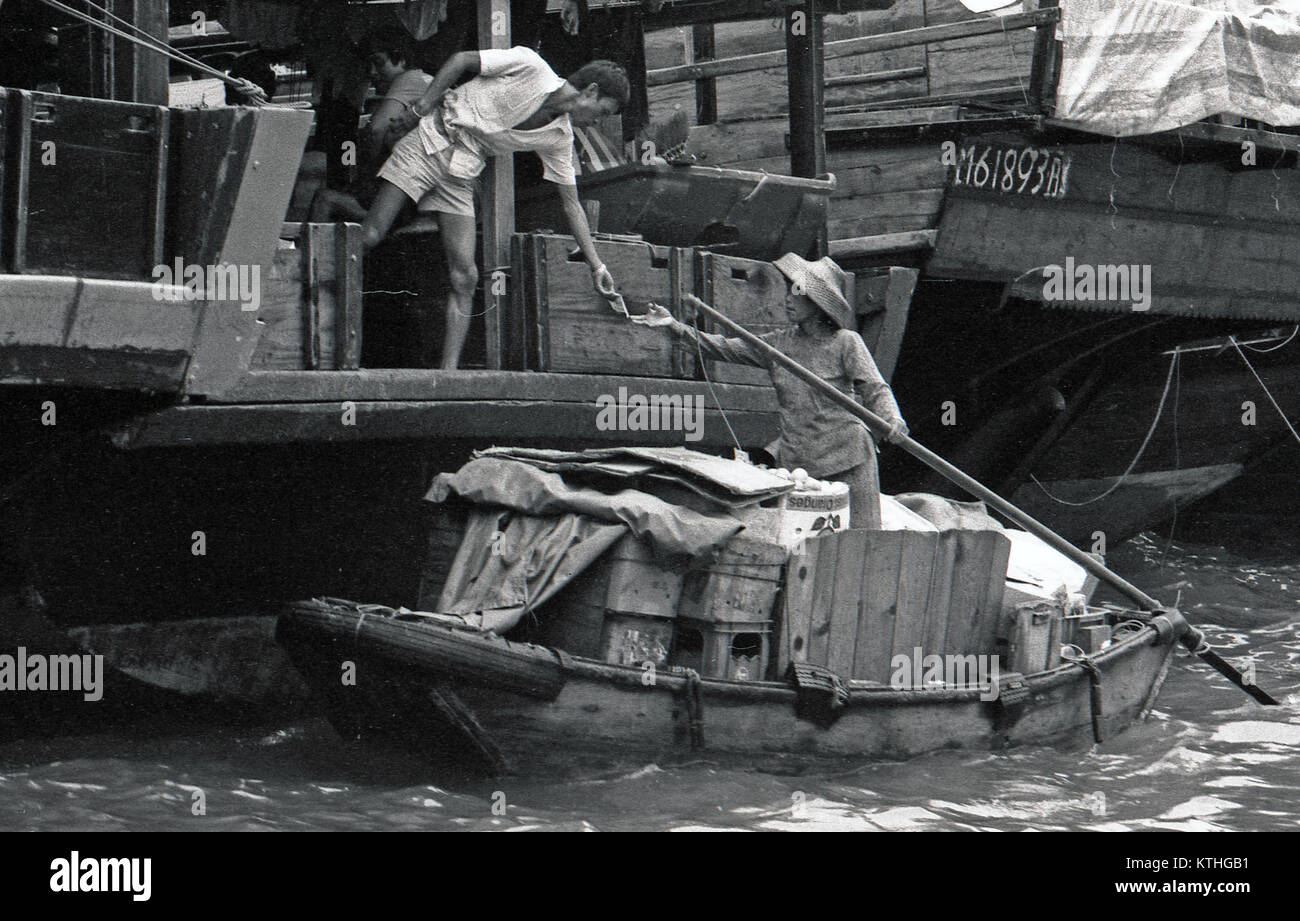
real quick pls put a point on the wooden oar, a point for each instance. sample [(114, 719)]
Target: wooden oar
[(1191, 637)]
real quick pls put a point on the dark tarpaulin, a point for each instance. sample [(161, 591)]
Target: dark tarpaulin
[(671, 531), (510, 563)]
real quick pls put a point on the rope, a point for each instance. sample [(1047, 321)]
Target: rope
[(716, 402), (1015, 66), (691, 691), (255, 93), (147, 36), (1173, 520), (1284, 343), (1094, 687), (1268, 393), (1173, 363)]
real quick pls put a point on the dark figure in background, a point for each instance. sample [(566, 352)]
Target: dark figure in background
[(29, 59), (565, 40), (397, 87), (619, 34)]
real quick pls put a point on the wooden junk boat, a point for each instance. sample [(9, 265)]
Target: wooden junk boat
[(314, 413), (442, 691), (757, 646)]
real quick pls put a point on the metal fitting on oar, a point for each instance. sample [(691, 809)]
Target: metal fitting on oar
[(1195, 641), (1170, 624)]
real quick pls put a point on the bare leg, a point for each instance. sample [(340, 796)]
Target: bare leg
[(379, 219), (330, 205), (458, 243)]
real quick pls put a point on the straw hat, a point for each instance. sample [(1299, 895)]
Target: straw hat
[(824, 283)]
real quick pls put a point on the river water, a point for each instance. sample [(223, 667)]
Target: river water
[(1208, 758)]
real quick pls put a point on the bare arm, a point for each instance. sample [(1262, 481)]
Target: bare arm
[(458, 66), (374, 142), (578, 226), (711, 345)]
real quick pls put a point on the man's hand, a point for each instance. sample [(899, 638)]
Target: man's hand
[(404, 123), (603, 282), (656, 315), (897, 432)]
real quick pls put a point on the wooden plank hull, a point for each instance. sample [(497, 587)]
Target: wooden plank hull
[(579, 705)]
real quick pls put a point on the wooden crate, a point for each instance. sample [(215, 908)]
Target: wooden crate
[(739, 587), (311, 300), (627, 588), (715, 649), (569, 327), (87, 186), (750, 292), (855, 599), (446, 528), (1030, 637)]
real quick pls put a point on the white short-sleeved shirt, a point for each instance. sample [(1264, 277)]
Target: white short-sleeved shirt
[(477, 120)]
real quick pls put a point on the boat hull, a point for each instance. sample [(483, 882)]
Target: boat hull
[(583, 706)]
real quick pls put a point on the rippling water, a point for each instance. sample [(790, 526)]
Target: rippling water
[(1208, 758)]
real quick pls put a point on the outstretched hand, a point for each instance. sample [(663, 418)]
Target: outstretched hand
[(656, 315)]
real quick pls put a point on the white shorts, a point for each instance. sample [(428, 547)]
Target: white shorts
[(425, 179)]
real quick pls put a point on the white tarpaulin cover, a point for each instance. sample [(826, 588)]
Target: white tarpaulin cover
[(1141, 66)]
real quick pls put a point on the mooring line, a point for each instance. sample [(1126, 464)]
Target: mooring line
[(1268, 393), (1173, 363)]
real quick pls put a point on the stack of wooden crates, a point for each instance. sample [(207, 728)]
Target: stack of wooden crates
[(715, 616), (556, 322)]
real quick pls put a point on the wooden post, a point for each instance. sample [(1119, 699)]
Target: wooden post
[(145, 76), (498, 195), (803, 43), (706, 90), (1043, 72)]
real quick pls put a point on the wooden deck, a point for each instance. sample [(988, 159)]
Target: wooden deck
[(414, 405)]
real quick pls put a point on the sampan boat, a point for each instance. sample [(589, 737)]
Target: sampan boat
[(387, 676)]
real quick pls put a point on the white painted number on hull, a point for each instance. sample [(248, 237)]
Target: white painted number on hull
[(1033, 171)]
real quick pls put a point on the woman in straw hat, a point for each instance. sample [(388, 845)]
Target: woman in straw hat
[(816, 434)]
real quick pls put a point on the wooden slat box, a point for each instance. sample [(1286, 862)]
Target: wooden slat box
[(87, 184), (750, 292), (856, 598), (311, 300), (569, 327)]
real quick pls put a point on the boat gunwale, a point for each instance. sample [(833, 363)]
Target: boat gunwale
[(861, 693)]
